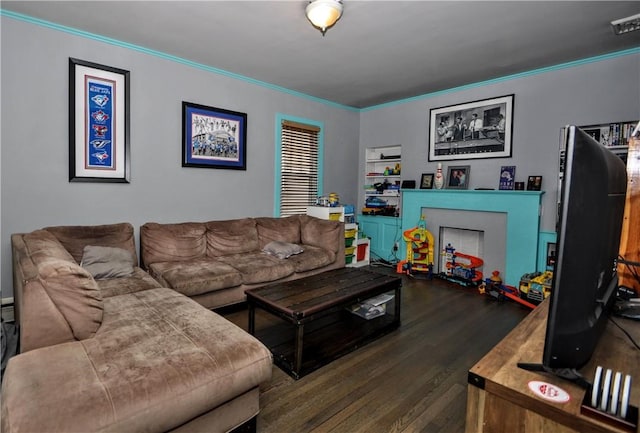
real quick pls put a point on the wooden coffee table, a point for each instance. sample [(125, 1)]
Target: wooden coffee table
[(318, 307)]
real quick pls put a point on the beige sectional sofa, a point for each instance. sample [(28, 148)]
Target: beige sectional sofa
[(106, 348), (215, 262)]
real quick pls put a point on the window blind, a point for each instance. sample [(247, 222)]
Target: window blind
[(299, 165)]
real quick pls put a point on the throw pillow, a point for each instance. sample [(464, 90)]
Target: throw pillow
[(107, 262), (282, 250)]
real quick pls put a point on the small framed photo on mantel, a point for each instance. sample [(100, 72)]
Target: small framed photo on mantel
[(534, 183), (507, 177), (426, 182)]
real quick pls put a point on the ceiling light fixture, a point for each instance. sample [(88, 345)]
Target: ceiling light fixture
[(324, 13), (626, 25)]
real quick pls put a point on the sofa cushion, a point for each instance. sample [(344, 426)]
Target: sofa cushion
[(75, 238), (107, 262), (259, 267), (159, 361), (282, 250), (278, 229), (312, 258), (138, 281), (231, 237), (172, 242), (75, 294), (321, 233), (197, 276)]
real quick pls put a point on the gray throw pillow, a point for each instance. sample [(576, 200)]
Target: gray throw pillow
[(107, 262), (282, 250)]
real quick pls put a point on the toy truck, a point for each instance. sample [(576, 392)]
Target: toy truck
[(535, 287)]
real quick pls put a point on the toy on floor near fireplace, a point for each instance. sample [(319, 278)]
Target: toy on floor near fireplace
[(461, 268), (494, 288), (536, 287), (419, 250)]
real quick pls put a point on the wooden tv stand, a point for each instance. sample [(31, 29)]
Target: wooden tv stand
[(499, 399)]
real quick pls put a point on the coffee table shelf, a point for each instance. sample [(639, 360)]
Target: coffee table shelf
[(308, 324), (325, 339)]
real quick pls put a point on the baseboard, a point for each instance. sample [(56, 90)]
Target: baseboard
[(6, 309)]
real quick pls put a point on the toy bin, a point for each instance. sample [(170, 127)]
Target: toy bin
[(361, 252), (350, 251)]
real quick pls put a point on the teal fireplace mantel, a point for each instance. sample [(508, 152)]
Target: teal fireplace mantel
[(523, 220)]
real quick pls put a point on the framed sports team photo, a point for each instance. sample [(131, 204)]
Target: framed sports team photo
[(473, 130), (213, 137), (98, 123)]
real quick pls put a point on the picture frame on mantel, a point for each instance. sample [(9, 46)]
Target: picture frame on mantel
[(458, 176), (98, 123), (534, 183), (426, 181), (472, 130), (213, 137)]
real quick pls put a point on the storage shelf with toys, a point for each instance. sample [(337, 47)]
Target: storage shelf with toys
[(383, 167)]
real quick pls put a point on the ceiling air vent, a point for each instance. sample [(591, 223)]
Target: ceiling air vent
[(626, 25)]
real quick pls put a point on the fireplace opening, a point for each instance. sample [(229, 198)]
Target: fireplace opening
[(468, 247)]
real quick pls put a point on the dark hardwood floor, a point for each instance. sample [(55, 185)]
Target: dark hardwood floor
[(411, 380)]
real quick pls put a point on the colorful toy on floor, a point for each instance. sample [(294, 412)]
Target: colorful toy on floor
[(494, 288), (536, 287), (461, 268), (419, 250)]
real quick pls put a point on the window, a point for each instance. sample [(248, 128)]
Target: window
[(299, 162)]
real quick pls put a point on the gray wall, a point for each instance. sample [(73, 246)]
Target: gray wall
[(591, 92), (35, 191), (34, 167)]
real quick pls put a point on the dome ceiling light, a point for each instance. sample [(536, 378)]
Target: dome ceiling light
[(324, 13)]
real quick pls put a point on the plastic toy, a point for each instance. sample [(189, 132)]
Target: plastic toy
[(419, 250), (495, 289), (461, 268), (536, 287)]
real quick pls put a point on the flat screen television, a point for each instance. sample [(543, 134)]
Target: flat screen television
[(585, 282)]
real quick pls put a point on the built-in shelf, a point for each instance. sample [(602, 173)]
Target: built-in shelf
[(383, 166)]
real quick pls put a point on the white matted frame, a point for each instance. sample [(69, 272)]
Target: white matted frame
[(473, 130), (98, 123)]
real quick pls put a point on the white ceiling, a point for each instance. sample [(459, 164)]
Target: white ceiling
[(378, 52)]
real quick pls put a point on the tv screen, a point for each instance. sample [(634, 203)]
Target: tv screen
[(590, 214)]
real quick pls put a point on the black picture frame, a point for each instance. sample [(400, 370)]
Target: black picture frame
[(213, 137), (534, 183), (98, 123), (455, 134), (426, 181), (458, 176)]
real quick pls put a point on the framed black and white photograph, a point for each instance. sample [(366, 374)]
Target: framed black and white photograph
[(458, 177), (98, 123), (426, 182), (473, 130), (534, 183), (213, 137)]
